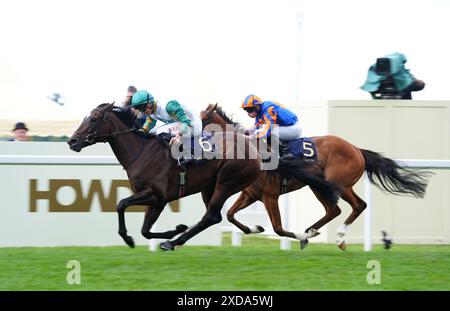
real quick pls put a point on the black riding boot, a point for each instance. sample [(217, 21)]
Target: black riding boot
[(284, 150)]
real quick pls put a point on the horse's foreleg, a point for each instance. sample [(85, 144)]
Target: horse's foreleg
[(141, 198), (242, 202), (271, 205), (151, 215)]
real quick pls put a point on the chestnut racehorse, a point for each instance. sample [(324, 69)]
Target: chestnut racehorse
[(341, 163)]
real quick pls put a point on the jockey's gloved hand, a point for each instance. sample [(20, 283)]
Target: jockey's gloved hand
[(142, 132), (138, 123), (176, 139)]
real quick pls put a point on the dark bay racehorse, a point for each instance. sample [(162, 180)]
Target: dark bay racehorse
[(341, 163), (154, 173)]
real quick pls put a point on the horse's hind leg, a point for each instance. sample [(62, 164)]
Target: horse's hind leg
[(358, 206), (151, 215), (211, 217), (331, 212), (242, 202), (230, 179)]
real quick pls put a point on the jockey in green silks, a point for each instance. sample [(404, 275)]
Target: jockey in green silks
[(172, 112)]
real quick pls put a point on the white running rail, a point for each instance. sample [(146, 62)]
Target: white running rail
[(236, 235)]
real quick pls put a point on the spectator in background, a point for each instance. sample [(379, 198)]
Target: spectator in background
[(130, 92), (389, 79), (20, 132)]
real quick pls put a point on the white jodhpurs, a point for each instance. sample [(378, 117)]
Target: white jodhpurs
[(290, 132), (174, 127), (197, 125)]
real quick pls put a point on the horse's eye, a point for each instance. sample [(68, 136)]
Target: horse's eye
[(93, 119)]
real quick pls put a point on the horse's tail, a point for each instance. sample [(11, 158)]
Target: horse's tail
[(309, 173), (394, 178)]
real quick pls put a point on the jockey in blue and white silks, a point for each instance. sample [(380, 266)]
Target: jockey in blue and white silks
[(269, 113)]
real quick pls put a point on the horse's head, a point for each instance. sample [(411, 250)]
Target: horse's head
[(94, 128), (215, 114), (207, 115)]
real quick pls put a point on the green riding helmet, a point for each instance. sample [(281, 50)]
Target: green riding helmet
[(141, 98)]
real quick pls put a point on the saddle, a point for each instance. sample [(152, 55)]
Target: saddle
[(192, 157), (302, 148)]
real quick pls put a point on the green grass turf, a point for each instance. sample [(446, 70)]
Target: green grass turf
[(258, 264)]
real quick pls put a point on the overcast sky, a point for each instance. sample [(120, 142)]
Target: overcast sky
[(206, 51)]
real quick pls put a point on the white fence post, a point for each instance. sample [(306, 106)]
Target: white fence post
[(285, 243), (367, 215), (153, 244), (236, 237)]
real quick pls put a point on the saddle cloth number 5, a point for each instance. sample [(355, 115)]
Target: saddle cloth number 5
[(308, 151)]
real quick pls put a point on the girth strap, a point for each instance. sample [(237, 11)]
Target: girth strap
[(284, 184), (182, 182)]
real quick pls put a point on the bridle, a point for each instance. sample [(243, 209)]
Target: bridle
[(93, 137), (92, 134)]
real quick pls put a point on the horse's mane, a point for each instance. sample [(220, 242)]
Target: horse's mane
[(103, 105), (224, 116), (123, 113)]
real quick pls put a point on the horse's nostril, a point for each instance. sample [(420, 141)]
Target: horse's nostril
[(72, 141)]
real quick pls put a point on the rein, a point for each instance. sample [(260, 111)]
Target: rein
[(92, 135)]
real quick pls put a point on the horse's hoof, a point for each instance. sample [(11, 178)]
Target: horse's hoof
[(259, 228), (129, 240), (166, 246), (255, 229), (342, 245), (181, 228), (313, 232), (303, 244), (147, 235)]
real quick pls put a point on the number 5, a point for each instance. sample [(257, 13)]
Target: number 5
[(308, 151)]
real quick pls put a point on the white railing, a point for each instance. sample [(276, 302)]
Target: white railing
[(58, 160), (53, 161), (285, 242), (236, 234)]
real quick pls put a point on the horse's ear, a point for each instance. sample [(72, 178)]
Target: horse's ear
[(209, 109), (214, 107), (110, 106)]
